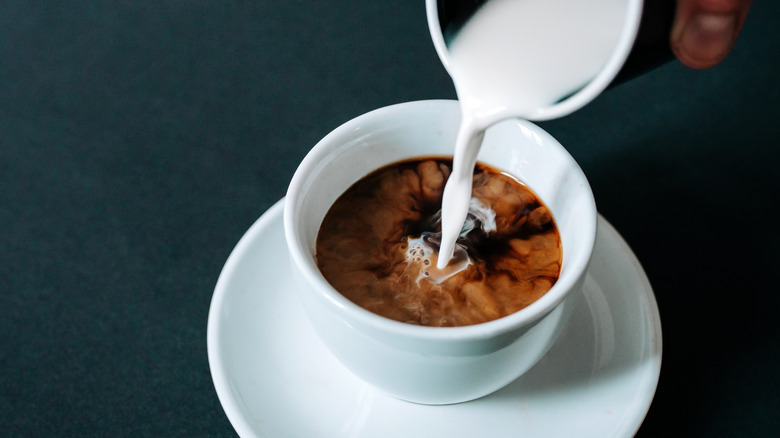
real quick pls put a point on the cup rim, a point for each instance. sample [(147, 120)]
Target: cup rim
[(579, 99), (357, 314)]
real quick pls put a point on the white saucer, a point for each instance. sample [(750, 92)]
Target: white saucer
[(275, 379)]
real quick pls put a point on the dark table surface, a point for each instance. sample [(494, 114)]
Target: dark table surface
[(140, 139)]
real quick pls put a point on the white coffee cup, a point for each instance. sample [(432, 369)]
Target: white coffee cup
[(436, 365)]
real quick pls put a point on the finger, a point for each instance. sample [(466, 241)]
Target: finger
[(705, 30)]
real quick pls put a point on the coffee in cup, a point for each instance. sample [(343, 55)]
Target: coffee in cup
[(378, 246)]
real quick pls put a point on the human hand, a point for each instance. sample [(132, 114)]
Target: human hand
[(705, 30)]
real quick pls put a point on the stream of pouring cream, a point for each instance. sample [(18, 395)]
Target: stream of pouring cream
[(512, 57)]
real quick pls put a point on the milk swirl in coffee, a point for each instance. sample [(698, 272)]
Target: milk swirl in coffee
[(378, 246)]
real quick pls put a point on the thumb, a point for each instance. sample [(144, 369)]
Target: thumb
[(705, 30)]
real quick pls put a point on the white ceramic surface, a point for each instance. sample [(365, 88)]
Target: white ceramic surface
[(274, 377), (543, 44), (437, 365)]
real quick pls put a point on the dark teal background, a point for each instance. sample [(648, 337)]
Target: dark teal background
[(140, 139)]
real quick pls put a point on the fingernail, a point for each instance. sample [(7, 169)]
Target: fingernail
[(706, 38)]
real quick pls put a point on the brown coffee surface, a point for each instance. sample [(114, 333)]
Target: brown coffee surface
[(363, 247)]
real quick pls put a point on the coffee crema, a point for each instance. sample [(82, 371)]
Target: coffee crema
[(378, 246)]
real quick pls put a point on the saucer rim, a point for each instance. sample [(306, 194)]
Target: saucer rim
[(222, 385)]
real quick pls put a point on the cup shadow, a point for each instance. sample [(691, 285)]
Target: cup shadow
[(610, 340)]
